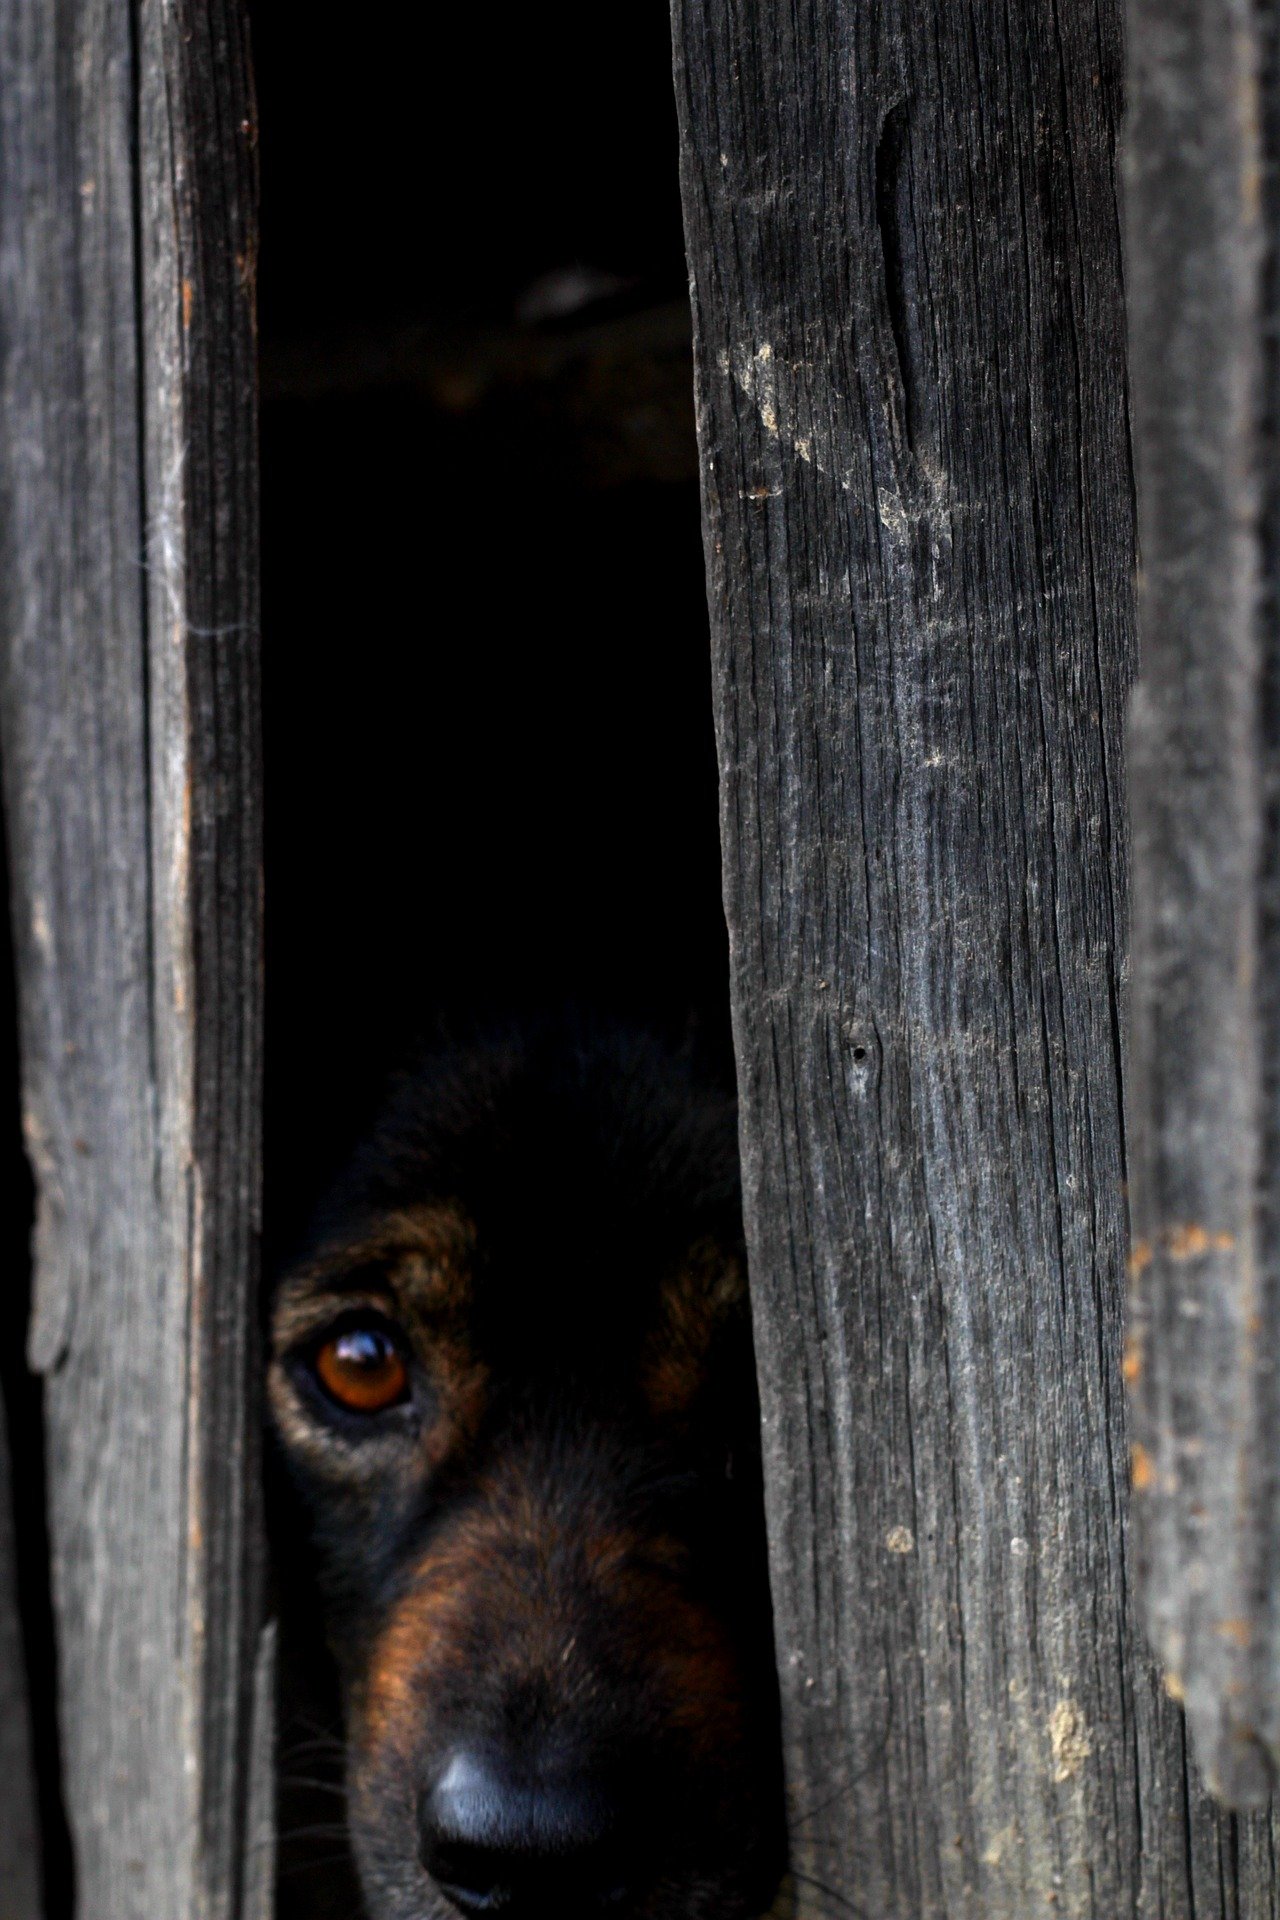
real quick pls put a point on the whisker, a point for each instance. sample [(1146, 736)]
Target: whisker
[(850, 1781), (323, 1730), (329, 1728), (831, 1893), (290, 1869), (312, 1750), (315, 1732)]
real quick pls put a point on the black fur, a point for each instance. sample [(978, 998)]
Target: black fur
[(554, 1550)]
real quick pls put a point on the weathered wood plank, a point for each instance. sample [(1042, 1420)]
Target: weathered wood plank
[(19, 1829), (1203, 213), (905, 252), (129, 573)]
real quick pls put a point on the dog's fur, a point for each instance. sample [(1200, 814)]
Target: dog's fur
[(555, 1545)]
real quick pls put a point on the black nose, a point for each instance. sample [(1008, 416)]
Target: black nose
[(496, 1844)]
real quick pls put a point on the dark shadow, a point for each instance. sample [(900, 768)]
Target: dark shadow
[(490, 768), (491, 779), (24, 1418)]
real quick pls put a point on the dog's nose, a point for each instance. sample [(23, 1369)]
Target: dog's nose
[(527, 1850)]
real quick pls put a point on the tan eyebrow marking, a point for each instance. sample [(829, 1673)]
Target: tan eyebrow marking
[(416, 1260)]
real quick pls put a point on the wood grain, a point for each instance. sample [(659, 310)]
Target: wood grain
[(129, 572), (904, 242), (1205, 753), (19, 1828)]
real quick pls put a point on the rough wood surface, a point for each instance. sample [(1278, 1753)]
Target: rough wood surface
[(19, 1831), (1205, 753), (131, 762), (904, 241)]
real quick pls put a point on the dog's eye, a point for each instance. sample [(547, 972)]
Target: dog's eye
[(362, 1368)]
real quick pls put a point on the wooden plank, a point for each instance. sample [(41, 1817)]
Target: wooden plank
[(19, 1828), (1205, 753), (904, 243), (130, 708)]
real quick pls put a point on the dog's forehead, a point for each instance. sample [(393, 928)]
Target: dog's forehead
[(435, 1260), (543, 1279), (541, 1148)]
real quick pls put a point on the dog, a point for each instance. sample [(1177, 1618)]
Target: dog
[(512, 1381)]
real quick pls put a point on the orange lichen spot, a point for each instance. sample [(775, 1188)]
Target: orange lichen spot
[(1141, 1471), (1139, 1257), (1131, 1366), (1238, 1632), (1189, 1241), (188, 304)]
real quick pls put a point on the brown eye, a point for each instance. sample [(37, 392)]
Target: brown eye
[(362, 1369)]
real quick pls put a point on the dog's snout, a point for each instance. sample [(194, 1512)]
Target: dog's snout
[(523, 1848)]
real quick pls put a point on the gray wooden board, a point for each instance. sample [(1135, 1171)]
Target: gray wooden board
[(19, 1831), (904, 242), (1205, 740), (131, 760)]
